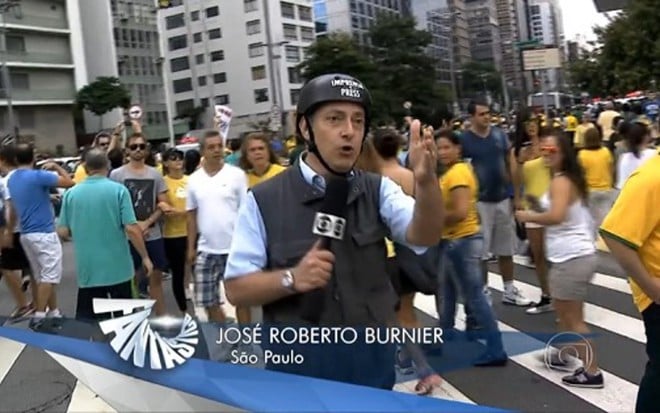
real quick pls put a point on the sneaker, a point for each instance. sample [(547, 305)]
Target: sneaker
[(21, 313), (54, 314), (45, 325), (584, 380), (543, 306), (515, 297), (167, 275)]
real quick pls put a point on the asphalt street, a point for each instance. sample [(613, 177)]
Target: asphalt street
[(525, 384)]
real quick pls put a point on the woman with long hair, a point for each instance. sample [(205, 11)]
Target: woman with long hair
[(638, 141), (380, 156), (461, 248), (531, 179), (258, 159), (598, 165), (570, 248)]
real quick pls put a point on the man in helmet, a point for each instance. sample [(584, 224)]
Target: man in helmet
[(276, 261)]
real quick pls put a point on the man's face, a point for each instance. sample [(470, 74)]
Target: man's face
[(213, 149), (338, 133), (137, 149), (481, 117)]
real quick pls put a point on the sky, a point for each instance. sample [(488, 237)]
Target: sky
[(579, 17)]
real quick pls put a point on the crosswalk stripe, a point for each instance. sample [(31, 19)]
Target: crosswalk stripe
[(601, 280), (10, 350), (617, 396), (604, 318), (84, 400), (445, 391)]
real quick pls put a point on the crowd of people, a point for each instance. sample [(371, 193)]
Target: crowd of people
[(449, 201)]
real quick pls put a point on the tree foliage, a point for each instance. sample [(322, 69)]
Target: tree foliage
[(395, 67), (103, 95), (626, 55), (478, 77)]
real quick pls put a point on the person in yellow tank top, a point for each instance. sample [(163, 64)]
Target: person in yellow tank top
[(259, 161), (531, 179), (598, 165), (462, 246), (174, 228)]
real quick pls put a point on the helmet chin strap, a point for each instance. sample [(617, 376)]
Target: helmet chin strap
[(315, 150)]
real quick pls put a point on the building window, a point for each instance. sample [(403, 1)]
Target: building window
[(15, 43), (212, 12), (183, 106), (287, 10), (258, 72), (26, 118), (201, 80), (261, 95), (199, 59), (294, 75), (182, 85), (292, 53), (294, 94), (179, 64), (220, 77), (197, 37), (215, 34), (305, 13), (177, 42), (175, 21), (290, 32), (222, 100), (20, 81), (250, 5), (253, 27), (194, 15), (307, 34), (217, 55), (255, 50), (204, 102)]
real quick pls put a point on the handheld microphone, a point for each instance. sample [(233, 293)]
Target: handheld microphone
[(329, 224)]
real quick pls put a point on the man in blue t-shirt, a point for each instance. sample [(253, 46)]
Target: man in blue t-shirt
[(652, 108), (30, 204), (488, 149)]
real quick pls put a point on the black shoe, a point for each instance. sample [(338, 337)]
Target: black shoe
[(584, 380)]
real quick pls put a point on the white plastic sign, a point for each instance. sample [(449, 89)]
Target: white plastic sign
[(135, 112)]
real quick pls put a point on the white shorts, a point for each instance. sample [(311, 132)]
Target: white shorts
[(44, 252), (531, 225), (498, 228)]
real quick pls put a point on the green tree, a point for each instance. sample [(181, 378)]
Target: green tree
[(337, 52), (478, 78), (405, 71), (103, 95)]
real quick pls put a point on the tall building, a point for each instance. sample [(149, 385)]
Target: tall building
[(354, 16), (484, 32), (546, 27), (42, 57), (121, 39), (242, 54), (460, 32), (434, 16), (507, 18)]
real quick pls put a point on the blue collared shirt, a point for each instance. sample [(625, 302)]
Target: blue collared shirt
[(248, 247)]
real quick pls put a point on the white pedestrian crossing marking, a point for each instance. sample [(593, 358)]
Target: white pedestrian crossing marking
[(9, 352)]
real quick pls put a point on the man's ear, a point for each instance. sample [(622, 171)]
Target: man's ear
[(304, 128)]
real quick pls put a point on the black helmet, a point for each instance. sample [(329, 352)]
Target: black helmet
[(334, 87)]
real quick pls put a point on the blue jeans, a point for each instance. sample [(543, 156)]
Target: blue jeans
[(460, 267)]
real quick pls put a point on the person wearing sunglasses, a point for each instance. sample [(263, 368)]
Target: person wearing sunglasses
[(571, 250), (104, 141), (174, 226), (148, 190)]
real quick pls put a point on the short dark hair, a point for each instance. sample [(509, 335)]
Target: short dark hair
[(472, 106), (24, 154), (8, 154), (208, 134), (387, 142), (96, 160), (135, 136)]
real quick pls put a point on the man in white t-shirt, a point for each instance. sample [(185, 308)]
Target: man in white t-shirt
[(214, 194)]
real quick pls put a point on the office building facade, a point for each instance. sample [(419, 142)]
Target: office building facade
[(485, 42)]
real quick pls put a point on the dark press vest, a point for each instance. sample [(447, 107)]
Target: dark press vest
[(360, 292)]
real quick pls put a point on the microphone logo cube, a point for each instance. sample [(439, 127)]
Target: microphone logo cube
[(330, 226)]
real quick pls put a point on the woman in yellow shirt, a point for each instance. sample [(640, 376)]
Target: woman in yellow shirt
[(259, 161), (462, 246), (598, 165), (174, 231), (531, 179)]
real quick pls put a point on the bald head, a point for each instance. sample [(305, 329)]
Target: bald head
[(96, 161)]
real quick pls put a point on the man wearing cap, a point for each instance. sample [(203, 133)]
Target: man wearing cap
[(275, 260)]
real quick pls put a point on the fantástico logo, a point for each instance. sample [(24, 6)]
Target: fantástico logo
[(566, 351), (167, 342)]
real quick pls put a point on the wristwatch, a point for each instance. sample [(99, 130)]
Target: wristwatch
[(288, 281)]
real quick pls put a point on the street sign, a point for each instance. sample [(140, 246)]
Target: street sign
[(135, 112), (541, 59), (528, 43)]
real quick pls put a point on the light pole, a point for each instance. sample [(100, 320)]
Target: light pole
[(6, 6)]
